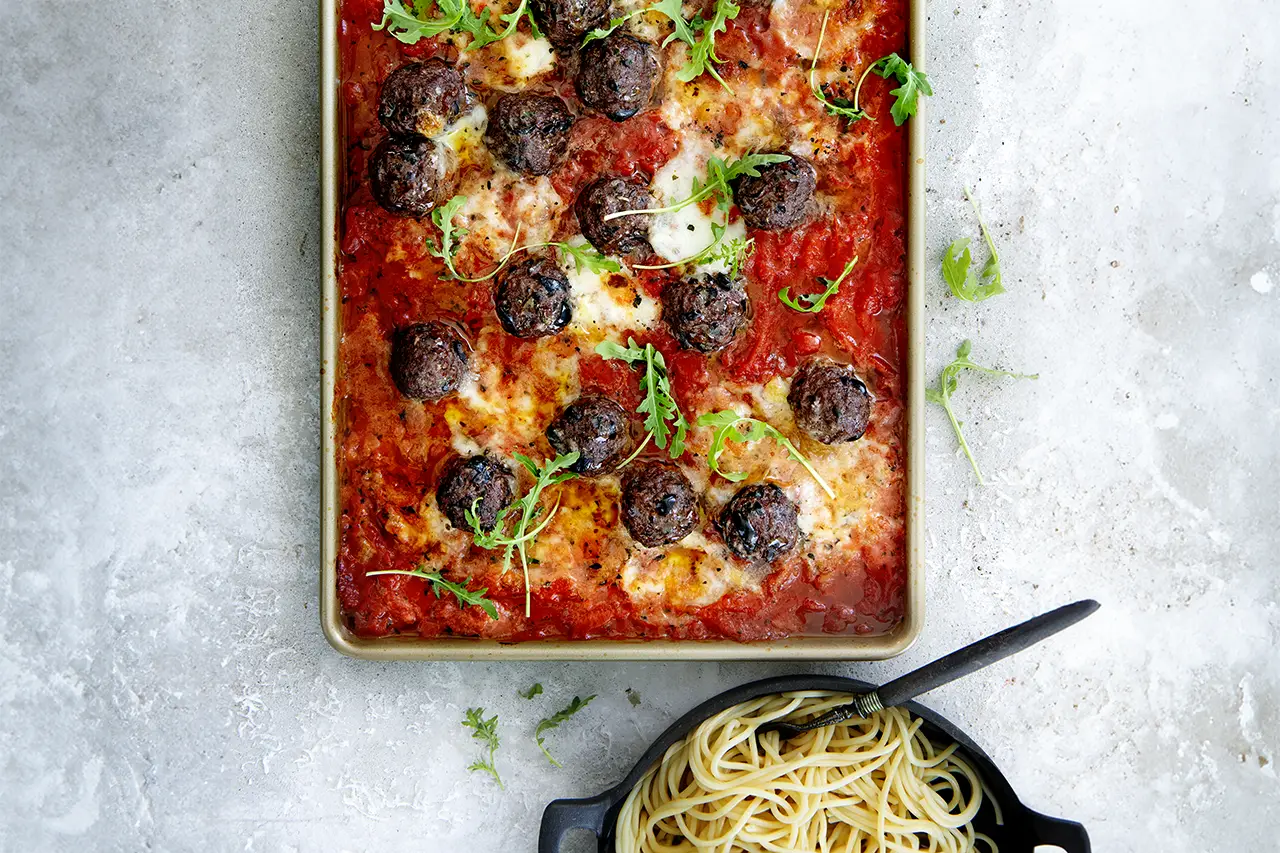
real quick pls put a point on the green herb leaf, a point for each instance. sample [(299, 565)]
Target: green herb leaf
[(585, 257), (702, 51), (813, 303), (957, 270), (731, 426), (407, 21), (535, 690), (658, 406), (555, 720), (475, 598), (717, 184), (947, 385), (672, 9), (515, 527), (450, 236), (907, 96), (485, 731)]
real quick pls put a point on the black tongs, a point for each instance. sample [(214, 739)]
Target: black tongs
[(944, 670)]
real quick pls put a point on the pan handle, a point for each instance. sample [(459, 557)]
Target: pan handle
[(1067, 834), (560, 816)]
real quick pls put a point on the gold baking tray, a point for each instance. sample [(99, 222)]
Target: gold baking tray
[(835, 647)]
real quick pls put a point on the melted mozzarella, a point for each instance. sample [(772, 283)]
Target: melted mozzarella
[(607, 305), (687, 232), (527, 57), (466, 135)]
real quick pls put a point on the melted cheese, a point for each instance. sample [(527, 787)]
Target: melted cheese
[(687, 232), (527, 57), (607, 305)]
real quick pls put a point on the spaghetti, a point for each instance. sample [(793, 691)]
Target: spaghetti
[(875, 784)]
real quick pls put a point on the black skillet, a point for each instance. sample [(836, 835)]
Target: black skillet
[(1022, 829)]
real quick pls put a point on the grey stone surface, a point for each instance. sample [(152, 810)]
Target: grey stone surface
[(163, 681)]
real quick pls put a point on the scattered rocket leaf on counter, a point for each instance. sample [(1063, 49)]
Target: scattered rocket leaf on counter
[(718, 179), (731, 426), (813, 303), (535, 690), (485, 731), (658, 405), (957, 267), (473, 597), (512, 530), (549, 723), (947, 385)]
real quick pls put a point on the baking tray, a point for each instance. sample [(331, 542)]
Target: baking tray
[(834, 647)]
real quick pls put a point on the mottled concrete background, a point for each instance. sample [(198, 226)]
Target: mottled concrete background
[(163, 681)]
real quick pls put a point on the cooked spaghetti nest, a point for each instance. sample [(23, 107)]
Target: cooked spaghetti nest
[(875, 784)]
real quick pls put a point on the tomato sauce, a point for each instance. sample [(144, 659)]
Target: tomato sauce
[(390, 452)]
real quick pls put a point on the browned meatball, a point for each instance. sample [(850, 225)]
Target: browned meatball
[(411, 175), (533, 298), (565, 22), (706, 312), (759, 523), (779, 197), (829, 401), (617, 75), (659, 505), (529, 132), (421, 98), (479, 481), (612, 195), (597, 429), (428, 360)]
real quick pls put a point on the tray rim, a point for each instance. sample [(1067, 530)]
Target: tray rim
[(849, 648)]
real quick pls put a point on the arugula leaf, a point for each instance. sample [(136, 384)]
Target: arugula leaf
[(702, 53), (718, 181), (956, 270), (475, 598), (535, 690), (906, 97), (405, 20), (451, 237), (585, 257), (549, 723), (485, 731), (672, 9), (731, 426), (816, 302), (658, 406), (512, 531), (947, 386)]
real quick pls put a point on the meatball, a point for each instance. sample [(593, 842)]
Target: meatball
[(428, 360), (778, 198), (611, 195), (479, 481), (529, 132), (598, 429), (659, 505), (533, 299), (706, 312), (829, 401), (565, 22), (411, 175), (617, 75), (421, 98), (759, 523)]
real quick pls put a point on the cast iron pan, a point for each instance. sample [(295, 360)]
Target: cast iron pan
[(1022, 830)]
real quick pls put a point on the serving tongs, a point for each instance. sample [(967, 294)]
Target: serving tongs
[(944, 670)]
